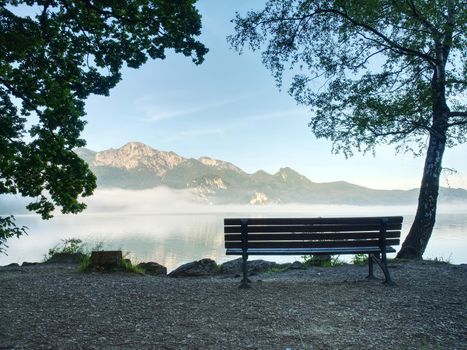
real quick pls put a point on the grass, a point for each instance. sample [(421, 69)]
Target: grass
[(318, 261), (127, 266), (440, 260), (276, 269)]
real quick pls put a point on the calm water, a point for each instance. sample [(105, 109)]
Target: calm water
[(173, 239)]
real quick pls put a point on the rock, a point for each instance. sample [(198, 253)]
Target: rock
[(153, 268), (12, 265), (25, 263), (296, 265), (234, 267), (106, 260), (65, 258), (203, 267)]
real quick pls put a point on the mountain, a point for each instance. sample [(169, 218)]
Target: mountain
[(138, 166)]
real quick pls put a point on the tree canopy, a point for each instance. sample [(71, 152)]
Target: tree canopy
[(53, 55), (372, 72)]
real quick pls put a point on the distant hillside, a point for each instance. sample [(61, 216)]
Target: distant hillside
[(138, 166)]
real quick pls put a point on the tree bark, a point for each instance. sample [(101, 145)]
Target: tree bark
[(415, 244)]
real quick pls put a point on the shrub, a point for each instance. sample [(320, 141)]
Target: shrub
[(318, 260), (360, 259), (67, 246)]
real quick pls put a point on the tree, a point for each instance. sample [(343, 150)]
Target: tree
[(53, 55), (373, 72)]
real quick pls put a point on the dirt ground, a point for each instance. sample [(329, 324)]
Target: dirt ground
[(57, 307)]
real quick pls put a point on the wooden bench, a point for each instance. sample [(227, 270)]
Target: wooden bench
[(374, 236)]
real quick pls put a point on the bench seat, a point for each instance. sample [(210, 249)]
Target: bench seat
[(303, 251)]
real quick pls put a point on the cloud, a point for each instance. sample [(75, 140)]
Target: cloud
[(193, 133), (154, 113)]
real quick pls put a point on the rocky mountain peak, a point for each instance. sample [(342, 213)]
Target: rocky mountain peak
[(220, 164), (287, 175), (138, 155)]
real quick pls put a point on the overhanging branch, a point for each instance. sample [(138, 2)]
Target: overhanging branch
[(458, 114), (391, 43)]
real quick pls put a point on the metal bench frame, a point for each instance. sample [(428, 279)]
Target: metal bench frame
[(374, 242)]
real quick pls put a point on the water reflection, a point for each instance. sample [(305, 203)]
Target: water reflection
[(173, 239)]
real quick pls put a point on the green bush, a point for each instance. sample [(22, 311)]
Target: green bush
[(67, 246), (317, 260), (360, 259)]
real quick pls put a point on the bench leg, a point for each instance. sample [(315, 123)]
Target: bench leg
[(384, 267), (370, 267), (245, 280)]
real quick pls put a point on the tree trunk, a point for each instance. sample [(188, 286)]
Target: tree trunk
[(415, 244)]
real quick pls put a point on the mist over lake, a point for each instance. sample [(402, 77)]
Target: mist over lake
[(167, 226)]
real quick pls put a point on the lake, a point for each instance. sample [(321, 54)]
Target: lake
[(173, 238)]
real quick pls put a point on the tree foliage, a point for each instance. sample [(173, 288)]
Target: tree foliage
[(373, 72), (53, 55)]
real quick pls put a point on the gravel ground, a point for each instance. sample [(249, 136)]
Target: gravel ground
[(57, 307)]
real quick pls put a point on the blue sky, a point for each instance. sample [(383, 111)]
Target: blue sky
[(229, 108)]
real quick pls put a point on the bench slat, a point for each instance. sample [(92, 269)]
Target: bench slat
[(313, 228), (312, 244), (310, 236), (304, 251), (311, 221)]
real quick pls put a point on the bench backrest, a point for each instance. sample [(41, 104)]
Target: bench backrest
[(312, 232)]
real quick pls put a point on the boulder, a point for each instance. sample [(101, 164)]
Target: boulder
[(296, 265), (153, 268), (65, 258), (203, 267), (12, 265), (234, 267)]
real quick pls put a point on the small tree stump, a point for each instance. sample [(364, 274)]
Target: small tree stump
[(106, 260)]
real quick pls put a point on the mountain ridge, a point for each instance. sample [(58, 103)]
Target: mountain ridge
[(136, 165)]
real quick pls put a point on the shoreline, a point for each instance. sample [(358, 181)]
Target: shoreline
[(55, 306)]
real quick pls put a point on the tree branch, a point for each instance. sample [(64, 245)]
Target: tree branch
[(463, 122), (390, 43), (19, 95), (423, 20), (458, 114), (377, 133)]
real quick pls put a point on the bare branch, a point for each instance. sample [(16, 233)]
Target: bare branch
[(460, 122), (361, 64), (377, 133), (458, 114)]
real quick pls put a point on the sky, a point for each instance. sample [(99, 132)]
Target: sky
[(230, 108)]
